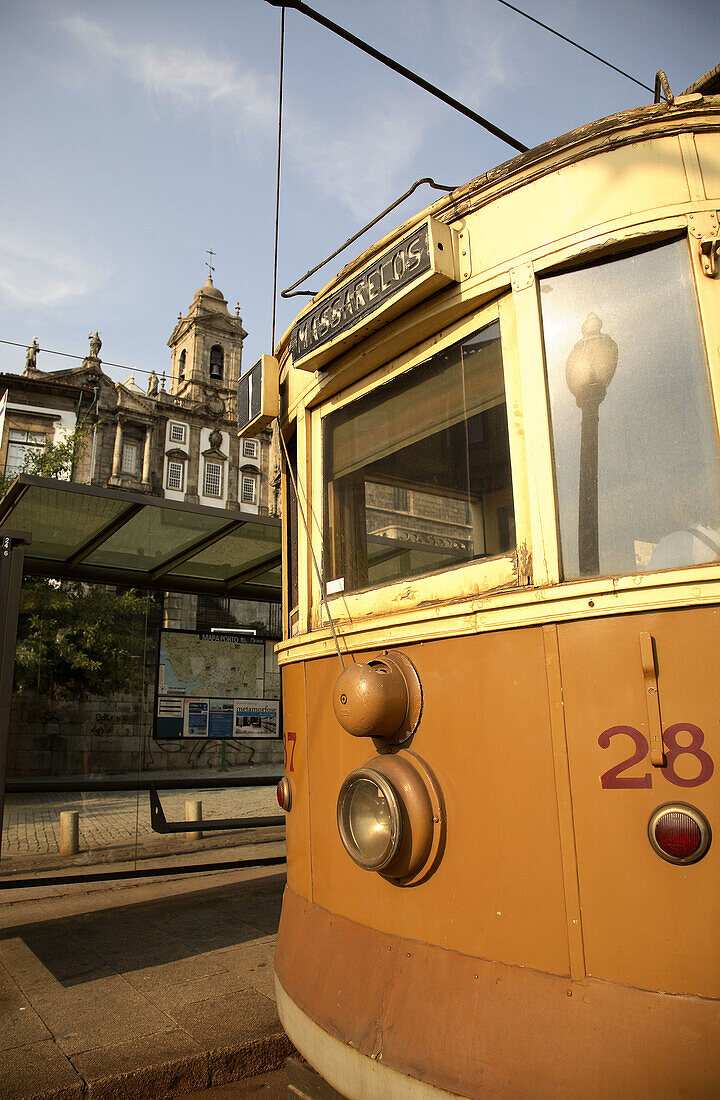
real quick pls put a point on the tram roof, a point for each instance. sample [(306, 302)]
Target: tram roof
[(110, 536)]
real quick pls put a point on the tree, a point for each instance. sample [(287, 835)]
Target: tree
[(58, 459), (5, 483), (76, 639)]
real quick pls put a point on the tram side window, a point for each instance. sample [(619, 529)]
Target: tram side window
[(418, 471), (634, 436)]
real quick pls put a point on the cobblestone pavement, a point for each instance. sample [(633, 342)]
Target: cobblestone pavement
[(109, 820)]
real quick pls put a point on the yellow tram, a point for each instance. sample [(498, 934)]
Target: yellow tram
[(500, 670)]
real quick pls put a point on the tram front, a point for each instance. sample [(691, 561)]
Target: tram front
[(502, 533)]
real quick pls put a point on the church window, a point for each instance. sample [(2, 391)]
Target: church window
[(176, 476), (129, 458), (249, 489), (213, 479), (217, 361), (181, 365), (250, 448), (177, 432)]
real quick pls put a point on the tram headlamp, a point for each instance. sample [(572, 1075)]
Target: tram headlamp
[(369, 819), (390, 819)]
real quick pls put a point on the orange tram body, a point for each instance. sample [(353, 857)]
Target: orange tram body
[(500, 670)]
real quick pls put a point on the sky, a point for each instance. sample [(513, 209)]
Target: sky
[(137, 136)]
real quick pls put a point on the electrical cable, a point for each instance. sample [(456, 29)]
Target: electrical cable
[(318, 574), (67, 354), (276, 425), (277, 176), (572, 42), (398, 68)]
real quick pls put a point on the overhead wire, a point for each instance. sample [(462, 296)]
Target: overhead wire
[(69, 355), (277, 176), (572, 42), (383, 58), (277, 427)]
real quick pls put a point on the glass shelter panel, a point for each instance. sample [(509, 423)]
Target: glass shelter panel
[(152, 537), (85, 743), (634, 435), (62, 525), (418, 471)]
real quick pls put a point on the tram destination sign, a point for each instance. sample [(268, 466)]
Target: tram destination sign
[(416, 266)]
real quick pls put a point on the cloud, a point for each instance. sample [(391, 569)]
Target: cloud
[(369, 160), (190, 77), (363, 165), (37, 274)]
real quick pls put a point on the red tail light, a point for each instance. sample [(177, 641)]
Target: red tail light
[(679, 833), (284, 794)]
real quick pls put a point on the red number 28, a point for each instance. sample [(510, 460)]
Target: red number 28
[(613, 777)]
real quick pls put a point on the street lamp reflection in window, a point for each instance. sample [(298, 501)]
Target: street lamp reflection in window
[(589, 370)]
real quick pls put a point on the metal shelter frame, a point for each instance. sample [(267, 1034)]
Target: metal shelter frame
[(90, 533)]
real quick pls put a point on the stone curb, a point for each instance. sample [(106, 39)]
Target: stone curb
[(175, 1077)]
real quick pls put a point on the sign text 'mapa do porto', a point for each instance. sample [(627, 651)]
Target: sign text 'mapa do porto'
[(415, 267)]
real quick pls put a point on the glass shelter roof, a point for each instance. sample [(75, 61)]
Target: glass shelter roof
[(86, 532)]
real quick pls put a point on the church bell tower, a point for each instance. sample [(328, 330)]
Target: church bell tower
[(206, 348)]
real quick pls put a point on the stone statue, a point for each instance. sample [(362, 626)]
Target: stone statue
[(95, 345), (152, 388), (31, 357)]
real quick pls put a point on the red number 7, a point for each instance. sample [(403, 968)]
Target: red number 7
[(290, 739)]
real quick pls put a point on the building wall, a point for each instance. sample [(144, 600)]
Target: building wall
[(111, 735)]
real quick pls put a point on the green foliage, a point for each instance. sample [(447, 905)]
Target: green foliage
[(5, 483), (58, 459), (76, 640)]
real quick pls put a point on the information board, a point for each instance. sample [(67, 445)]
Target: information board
[(216, 685)]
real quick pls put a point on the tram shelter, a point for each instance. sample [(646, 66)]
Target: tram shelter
[(64, 530)]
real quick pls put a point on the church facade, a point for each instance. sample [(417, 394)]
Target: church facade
[(173, 438)]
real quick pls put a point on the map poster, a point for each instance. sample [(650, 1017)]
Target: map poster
[(257, 719), (216, 685)]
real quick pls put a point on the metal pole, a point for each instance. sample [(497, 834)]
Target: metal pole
[(12, 553)]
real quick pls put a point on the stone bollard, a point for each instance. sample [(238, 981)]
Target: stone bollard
[(69, 833), (193, 812)]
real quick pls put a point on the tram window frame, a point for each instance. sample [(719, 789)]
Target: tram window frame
[(291, 538), (449, 581)]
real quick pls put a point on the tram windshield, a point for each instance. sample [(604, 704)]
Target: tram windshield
[(418, 471), (636, 456)]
